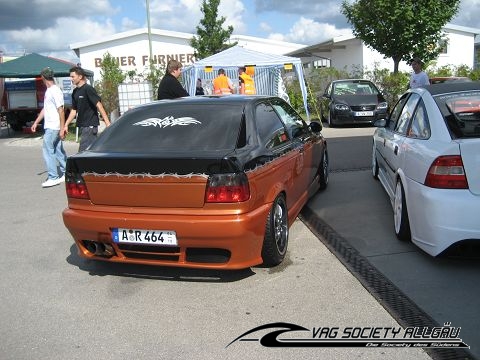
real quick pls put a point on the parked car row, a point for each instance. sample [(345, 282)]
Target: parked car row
[(216, 181), (359, 101)]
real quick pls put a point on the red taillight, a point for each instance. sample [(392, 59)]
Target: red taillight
[(447, 172), (75, 186), (227, 188)]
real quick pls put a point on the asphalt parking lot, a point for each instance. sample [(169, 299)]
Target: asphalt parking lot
[(56, 305), (355, 218)]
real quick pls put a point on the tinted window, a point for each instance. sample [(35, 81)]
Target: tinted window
[(397, 110), (461, 112), (269, 126), (420, 127), (296, 127), (172, 127), (406, 114)]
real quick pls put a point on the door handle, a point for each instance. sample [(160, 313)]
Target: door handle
[(395, 151)]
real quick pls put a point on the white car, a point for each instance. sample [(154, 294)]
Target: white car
[(427, 157)]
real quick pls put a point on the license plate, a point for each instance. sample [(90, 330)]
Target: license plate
[(149, 237), (364, 113)]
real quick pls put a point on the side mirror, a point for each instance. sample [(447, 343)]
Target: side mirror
[(315, 126)]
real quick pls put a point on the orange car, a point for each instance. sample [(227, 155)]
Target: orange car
[(201, 182)]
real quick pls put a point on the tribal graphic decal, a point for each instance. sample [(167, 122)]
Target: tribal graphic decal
[(145, 175), (168, 121)]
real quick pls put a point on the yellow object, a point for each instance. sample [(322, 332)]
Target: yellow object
[(250, 70), (249, 84), (220, 85)]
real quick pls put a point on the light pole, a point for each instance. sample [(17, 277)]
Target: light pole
[(149, 33)]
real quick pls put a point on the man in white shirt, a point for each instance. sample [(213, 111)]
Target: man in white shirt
[(419, 77), (54, 115)]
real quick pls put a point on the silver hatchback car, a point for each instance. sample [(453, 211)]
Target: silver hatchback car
[(427, 157)]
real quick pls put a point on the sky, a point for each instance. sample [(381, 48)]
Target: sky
[(49, 27)]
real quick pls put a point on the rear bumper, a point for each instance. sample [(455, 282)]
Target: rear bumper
[(201, 238), (440, 218)]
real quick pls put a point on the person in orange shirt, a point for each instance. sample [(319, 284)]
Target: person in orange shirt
[(246, 83), (222, 85)]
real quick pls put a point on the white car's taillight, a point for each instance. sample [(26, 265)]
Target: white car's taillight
[(227, 188), (75, 186), (447, 172)]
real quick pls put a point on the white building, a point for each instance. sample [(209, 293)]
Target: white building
[(132, 49), (350, 53)]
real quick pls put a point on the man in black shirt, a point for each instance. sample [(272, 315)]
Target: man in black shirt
[(170, 87), (86, 104)]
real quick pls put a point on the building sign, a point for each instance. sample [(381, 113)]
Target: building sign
[(132, 60)]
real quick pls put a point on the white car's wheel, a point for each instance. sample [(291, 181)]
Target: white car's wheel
[(400, 214), (374, 162)]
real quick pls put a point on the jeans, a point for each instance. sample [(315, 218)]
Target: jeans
[(52, 152)]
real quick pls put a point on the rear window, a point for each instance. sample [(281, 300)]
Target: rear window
[(462, 113), (173, 127)]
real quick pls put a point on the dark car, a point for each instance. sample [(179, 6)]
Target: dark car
[(449, 79), (200, 182), (352, 101)]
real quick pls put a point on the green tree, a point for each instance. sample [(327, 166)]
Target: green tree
[(153, 75), (211, 36), (107, 87), (401, 29)]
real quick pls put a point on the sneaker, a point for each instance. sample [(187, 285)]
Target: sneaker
[(50, 183), (62, 179)]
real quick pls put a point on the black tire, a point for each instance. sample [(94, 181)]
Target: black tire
[(374, 162), (323, 171), (322, 116), (331, 119), (275, 242), (400, 214)]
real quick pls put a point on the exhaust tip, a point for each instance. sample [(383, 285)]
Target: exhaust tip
[(98, 248)]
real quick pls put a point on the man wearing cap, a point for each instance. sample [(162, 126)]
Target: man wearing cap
[(419, 77), (54, 116)]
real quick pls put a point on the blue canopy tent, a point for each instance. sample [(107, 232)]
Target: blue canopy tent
[(267, 70)]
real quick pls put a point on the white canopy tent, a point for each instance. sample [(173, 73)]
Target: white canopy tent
[(267, 71)]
